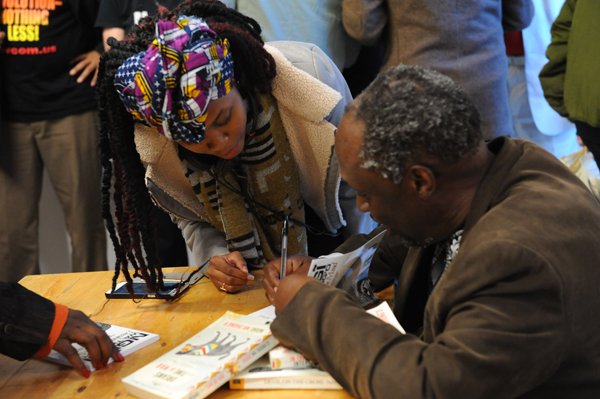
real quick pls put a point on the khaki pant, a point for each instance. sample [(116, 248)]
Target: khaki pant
[(68, 149)]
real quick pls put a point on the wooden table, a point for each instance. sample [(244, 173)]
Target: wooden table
[(175, 321)]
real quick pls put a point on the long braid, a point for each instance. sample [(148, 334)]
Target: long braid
[(131, 198), (134, 234), (105, 160)]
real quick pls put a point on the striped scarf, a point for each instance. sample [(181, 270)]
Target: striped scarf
[(268, 173)]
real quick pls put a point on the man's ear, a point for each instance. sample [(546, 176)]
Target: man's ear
[(422, 181)]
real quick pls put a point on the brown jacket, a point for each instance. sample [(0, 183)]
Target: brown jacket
[(516, 315)]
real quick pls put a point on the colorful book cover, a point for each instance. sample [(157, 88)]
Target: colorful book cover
[(206, 361), (127, 340)]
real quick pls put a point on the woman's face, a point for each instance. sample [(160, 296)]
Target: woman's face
[(225, 127)]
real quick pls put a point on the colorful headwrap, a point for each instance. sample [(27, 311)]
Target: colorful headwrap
[(171, 84)]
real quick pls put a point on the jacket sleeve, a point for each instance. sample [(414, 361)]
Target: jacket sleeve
[(552, 75), (318, 65), (516, 14), (204, 240), (365, 20), (326, 71), (25, 321), (488, 344), (357, 222)]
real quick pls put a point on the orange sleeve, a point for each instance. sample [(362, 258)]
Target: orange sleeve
[(60, 318)]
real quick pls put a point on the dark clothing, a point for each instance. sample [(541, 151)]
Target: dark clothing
[(515, 315), (590, 136), (36, 59), (126, 13), (25, 321)]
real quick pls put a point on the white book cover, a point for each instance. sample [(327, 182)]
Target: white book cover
[(349, 271), (262, 376), (286, 358), (127, 340), (206, 361)]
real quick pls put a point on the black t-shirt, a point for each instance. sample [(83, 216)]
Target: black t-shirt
[(36, 59), (125, 13)]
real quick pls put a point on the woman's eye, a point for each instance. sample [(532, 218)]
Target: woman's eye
[(224, 120)]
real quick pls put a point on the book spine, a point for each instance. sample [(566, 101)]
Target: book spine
[(288, 360), (238, 365), (307, 382)]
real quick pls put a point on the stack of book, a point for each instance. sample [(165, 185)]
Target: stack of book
[(206, 361), (261, 375)]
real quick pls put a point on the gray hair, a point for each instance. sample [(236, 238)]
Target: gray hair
[(412, 112)]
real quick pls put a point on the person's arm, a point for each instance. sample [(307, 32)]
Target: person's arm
[(25, 321), (86, 64), (552, 75), (204, 240), (474, 343), (365, 20), (209, 246), (516, 14), (32, 325), (117, 33)]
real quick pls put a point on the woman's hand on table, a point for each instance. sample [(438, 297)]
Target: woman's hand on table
[(295, 264), (80, 329), (229, 273)]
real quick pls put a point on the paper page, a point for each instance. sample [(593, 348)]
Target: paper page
[(384, 313), (331, 269), (266, 313)]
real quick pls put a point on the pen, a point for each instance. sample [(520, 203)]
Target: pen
[(284, 236)]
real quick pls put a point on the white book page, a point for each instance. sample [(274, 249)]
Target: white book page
[(330, 269)]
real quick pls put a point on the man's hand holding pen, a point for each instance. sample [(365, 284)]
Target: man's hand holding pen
[(276, 271), (295, 265)]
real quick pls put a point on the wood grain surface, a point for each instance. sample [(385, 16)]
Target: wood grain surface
[(175, 321)]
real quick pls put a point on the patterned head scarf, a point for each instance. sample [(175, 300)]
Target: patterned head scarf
[(171, 84)]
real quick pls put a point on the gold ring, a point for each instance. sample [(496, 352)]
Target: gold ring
[(222, 288)]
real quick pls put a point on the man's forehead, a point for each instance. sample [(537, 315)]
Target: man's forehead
[(349, 136)]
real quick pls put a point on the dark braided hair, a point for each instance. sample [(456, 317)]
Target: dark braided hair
[(134, 233)]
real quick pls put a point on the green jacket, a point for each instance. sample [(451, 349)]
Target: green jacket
[(570, 78)]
